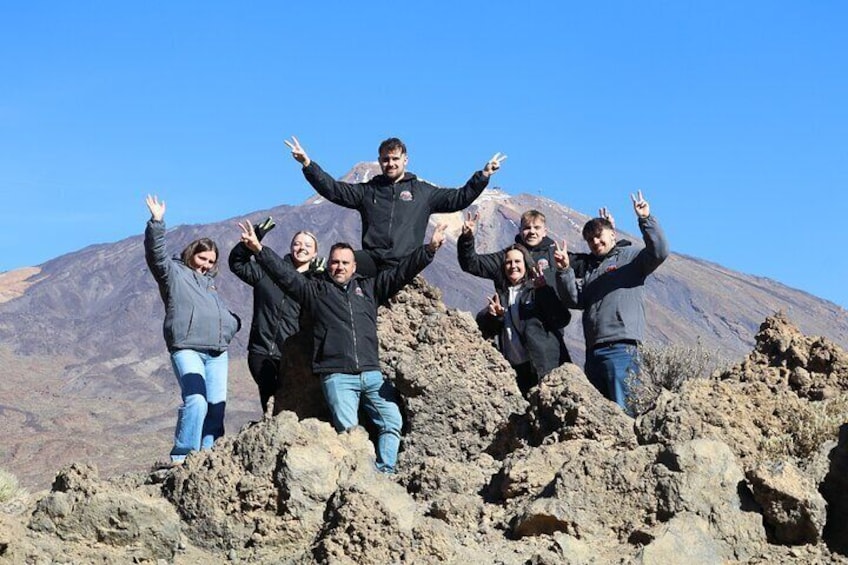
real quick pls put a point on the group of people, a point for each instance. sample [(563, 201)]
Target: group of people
[(331, 308)]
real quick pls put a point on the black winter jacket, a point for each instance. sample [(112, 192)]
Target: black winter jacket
[(275, 314), (490, 266), (344, 318), (394, 215), (541, 337)]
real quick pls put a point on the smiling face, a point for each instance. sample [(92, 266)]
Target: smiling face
[(514, 266), (533, 231), (393, 163), (203, 262), (601, 242), (303, 249), (342, 265)]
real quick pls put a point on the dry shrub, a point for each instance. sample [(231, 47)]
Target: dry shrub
[(668, 367), (814, 424), (9, 487)]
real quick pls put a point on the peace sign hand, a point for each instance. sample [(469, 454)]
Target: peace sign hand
[(640, 205), (298, 153), (495, 308), (249, 237), (494, 164), (438, 238), (538, 274), (470, 222), (604, 213), (561, 256)]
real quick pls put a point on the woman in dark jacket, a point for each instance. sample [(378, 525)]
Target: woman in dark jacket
[(197, 329), (276, 316), (522, 313)]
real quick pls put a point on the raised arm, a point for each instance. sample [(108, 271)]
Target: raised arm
[(337, 192), (240, 257), (155, 252), (656, 245), (390, 281), (280, 271), (445, 200), (488, 266)]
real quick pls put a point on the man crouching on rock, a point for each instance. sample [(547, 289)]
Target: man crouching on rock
[(343, 306)]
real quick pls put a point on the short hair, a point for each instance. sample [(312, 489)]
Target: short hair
[(390, 145), (531, 215), (199, 246), (340, 245), (529, 263), (308, 234), (595, 226)]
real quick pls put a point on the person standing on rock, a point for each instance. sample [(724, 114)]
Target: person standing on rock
[(276, 315), (343, 306), (611, 292), (525, 313), (395, 206), (198, 328)]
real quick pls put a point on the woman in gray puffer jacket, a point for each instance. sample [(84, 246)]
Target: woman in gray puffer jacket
[(197, 329)]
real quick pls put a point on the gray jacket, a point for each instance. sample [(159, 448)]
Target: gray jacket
[(195, 315), (611, 291)]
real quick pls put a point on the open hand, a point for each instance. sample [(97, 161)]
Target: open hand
[(157, 208)]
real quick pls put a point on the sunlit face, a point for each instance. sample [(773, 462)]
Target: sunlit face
[(602, 242), (203, 261), (393, 164), (303, 249), (533, 232), (514, 266), (342, 265)]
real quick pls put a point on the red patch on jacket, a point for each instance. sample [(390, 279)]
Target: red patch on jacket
[(610, 269)]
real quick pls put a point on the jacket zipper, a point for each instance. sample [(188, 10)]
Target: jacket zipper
[(352, 326)]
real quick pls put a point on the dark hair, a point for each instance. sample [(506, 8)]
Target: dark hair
[(595, 226), (529, 215), (529, 263), (390, 145), (340, 245), (199, 246)]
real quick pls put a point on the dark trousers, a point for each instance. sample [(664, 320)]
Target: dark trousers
[(264, 370)]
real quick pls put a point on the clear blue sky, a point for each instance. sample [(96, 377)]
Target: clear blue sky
[(731, 116)]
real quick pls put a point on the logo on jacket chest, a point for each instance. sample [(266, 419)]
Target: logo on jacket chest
[(405, 195), (358, 292)]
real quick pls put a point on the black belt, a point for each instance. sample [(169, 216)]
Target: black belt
[(619, 342)]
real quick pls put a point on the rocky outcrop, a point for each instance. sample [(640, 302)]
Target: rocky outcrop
[(746, 466)]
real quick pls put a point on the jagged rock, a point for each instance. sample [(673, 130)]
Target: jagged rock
[(702, 477), (793, 509), (81, 508), (598, 492), (567, 406), (683, 539), (487, 477)]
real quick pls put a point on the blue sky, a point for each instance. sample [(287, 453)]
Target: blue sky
[(731, 116)]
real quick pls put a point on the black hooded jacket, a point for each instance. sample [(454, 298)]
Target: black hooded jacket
[(276, 315), (344, 317), (394, 214)]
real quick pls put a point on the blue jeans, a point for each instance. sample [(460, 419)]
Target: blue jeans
[(202, 377), (379, 398), (612, 369)]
